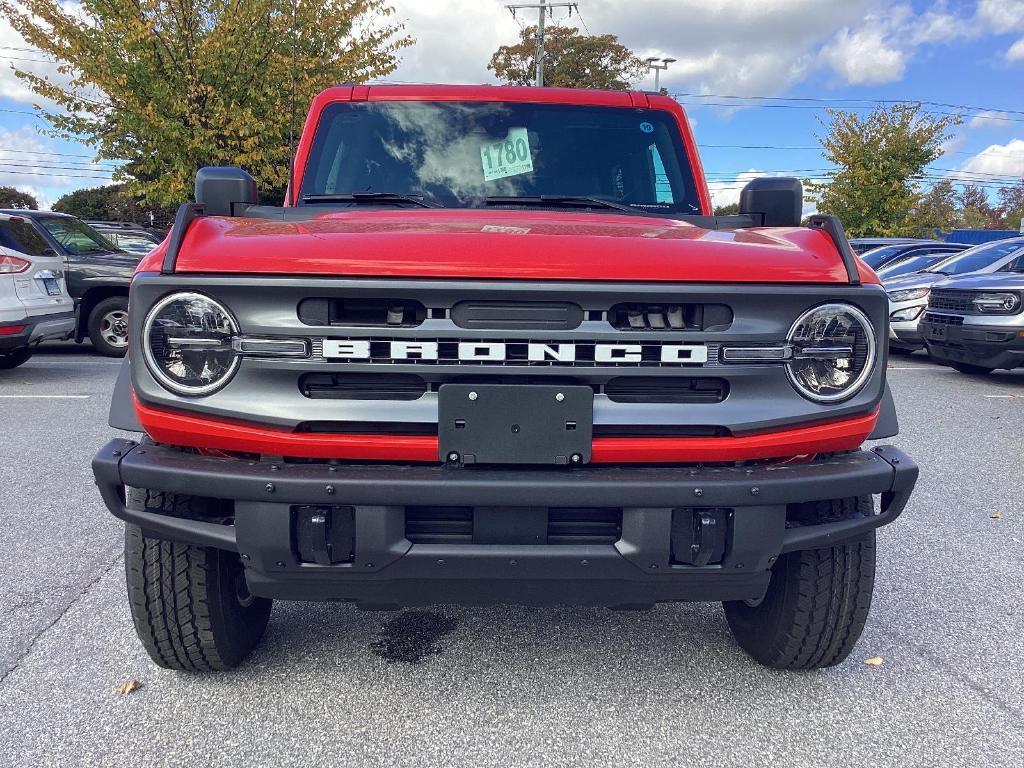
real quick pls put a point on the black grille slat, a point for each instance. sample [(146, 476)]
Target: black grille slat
[(670, 317), (589, 525), (439, 525), (664, 389), (362, 386)]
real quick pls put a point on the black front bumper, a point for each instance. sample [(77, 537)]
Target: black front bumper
[(992, 346), (388, 569)]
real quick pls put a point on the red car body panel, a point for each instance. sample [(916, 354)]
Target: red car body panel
[(176, 428), (489, 244)]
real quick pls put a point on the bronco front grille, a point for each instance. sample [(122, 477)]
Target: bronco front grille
[(957, 301)]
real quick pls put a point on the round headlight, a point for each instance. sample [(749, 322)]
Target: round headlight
[(833, 352), (187, 344)]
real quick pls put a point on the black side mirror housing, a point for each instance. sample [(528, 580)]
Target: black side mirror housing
[(776, 201), (225, 191)]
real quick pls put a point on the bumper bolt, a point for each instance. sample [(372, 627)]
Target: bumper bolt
[(559, 397), (653, 566), (453, 457), (369, 565), (698, 492), (575, 458), (280, 563), (440, 562), (115, 453), (332, 468), (269, 487), (274, 467), (473, 395), (513, 562), (755, 491), (584, 562), (739, 565), (245, 557), (330, 490)]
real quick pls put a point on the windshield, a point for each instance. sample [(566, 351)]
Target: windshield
[(879, 256), (76, 237), (459, 154), (908, 265), (133, 242), (976, 258)]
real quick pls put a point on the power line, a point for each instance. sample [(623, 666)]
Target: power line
[(837, 100)]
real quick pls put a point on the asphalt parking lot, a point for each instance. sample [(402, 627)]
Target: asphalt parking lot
[(331, 685)]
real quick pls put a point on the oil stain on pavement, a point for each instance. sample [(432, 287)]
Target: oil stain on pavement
[(412, 636)]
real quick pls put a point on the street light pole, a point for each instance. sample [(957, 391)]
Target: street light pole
[(652, 63)]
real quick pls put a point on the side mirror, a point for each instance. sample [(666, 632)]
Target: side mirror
[(225, 191), (776, 201)]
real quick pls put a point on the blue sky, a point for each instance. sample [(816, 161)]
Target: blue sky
[(961, 53)]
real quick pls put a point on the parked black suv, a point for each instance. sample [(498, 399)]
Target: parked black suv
[(98, 276)]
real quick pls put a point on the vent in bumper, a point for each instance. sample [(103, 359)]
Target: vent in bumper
[(664, 389), (367, 313), (584, 525), (512, 525), (362, 386)]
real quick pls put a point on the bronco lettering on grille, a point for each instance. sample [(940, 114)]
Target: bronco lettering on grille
[(504, 352)]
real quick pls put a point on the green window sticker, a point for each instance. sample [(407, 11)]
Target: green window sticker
[(508, 157)]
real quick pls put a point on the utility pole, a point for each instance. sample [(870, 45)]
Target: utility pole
[(543, 7)]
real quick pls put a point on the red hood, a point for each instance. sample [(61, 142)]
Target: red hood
[(534, 245)]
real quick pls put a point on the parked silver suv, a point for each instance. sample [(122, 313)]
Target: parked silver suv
[(975, 323)]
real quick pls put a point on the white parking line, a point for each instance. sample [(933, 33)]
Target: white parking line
[(45, 397), (908, 368)]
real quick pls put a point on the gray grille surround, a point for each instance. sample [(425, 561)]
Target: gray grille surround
[(265, 390)]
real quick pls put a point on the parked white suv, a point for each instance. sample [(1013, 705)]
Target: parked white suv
[(34, 301)]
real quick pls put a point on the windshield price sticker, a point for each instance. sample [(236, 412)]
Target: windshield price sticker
[(510, 157)]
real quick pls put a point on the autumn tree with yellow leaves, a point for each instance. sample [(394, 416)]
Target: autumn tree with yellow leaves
[(168, 87)]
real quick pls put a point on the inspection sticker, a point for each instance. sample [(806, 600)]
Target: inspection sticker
[(508, 157)]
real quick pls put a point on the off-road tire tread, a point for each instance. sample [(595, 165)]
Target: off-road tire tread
[(826, 598), (169, 591)]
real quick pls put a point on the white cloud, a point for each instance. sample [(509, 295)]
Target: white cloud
[(991, 119), (867, 56), (1001, 15), (998, 159), (1016, 51), (727, 191)]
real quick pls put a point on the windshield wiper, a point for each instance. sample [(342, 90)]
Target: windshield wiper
[(568, 201), (370, 198)]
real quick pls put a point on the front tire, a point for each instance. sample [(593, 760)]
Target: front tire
[(15, 358), (108, 326), (814, 610), (191, 607)]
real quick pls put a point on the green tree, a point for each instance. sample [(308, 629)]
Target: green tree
[(571, 60), (1011, 205), (12, 198), (112, 203), (976, 212), (727, 210), (880, 159), (171, 87), (937, 209)]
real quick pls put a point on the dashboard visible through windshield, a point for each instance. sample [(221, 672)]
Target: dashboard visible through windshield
[(467, 154)]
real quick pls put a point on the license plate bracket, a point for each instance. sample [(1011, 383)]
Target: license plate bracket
[(936, 332), (515, 424), (52, 286)]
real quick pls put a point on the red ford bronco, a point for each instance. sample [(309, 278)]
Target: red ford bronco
[(496, 348)]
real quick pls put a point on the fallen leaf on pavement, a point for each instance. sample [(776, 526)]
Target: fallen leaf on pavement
[(996, 516), (128, 687), (874, 661)]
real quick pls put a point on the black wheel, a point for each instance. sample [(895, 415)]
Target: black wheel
[(14, 358), (972, 370), (108, 326), (191, 606), (816, 604)]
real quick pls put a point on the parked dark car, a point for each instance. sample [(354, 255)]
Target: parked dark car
[(975, 323), (879, 257), (862, 245), (133, 238), (98, 276)]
